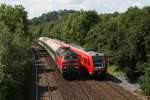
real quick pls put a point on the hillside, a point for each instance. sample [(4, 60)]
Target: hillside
[(50, 16), (46, 20)]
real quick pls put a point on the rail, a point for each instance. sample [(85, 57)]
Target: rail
[(36, 53), (36, 83)]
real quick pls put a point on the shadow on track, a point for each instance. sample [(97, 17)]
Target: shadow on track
[(107, 77), (98, 77), (42, 70), (44, 89)]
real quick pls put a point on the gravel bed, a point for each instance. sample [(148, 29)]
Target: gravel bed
[(129, 86)]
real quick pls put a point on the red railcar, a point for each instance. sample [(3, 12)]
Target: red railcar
[(92, 61), (65, 58)]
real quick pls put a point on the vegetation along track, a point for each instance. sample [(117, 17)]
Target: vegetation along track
[(50, 84)]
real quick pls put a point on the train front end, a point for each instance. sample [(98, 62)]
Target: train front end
[(69, 61), (99, 63)]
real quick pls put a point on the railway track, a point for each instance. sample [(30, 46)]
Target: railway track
[(39, 63), (50, 85)]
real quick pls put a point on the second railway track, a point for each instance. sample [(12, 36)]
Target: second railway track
[(52, 86)]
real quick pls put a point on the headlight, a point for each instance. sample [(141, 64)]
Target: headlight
[(77, 67)]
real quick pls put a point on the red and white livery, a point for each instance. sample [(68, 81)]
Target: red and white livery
[(65, 58), (93, 62)]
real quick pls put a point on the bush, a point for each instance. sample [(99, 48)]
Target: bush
[(145, 82)]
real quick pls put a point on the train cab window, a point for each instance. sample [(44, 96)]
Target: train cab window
[(73, 55), (70, 56), (66, 57), (97, 60)]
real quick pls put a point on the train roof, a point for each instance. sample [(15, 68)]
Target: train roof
[(55, 46), (87, 51), (93, 53)]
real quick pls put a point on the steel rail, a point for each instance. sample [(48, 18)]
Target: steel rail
[(36, 95), (46, 78)]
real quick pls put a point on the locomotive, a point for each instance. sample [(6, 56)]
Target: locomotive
[(93, 62), (66, 59)]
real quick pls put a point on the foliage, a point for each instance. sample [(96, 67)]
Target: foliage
[(51, 16), (15, 53), (145, 82), (114, 70)]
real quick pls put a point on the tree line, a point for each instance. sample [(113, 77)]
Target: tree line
[(123, 37)]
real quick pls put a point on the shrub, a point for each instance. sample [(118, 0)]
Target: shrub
[(145, 82)]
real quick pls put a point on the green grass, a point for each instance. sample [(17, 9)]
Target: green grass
[(114, 70)]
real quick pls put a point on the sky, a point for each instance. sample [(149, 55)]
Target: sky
[(36, 8)]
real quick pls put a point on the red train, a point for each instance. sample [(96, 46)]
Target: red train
[(92, 61), (65, 58)]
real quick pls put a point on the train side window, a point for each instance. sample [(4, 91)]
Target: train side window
[(84, 60), (88, 62), (81, 58)]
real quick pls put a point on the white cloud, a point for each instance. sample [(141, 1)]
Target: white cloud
[(71, 1), (37, 7), (137, 4)]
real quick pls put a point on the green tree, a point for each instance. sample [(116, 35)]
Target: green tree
[(15, 53)]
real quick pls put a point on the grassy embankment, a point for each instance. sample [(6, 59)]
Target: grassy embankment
[(114, 70)]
